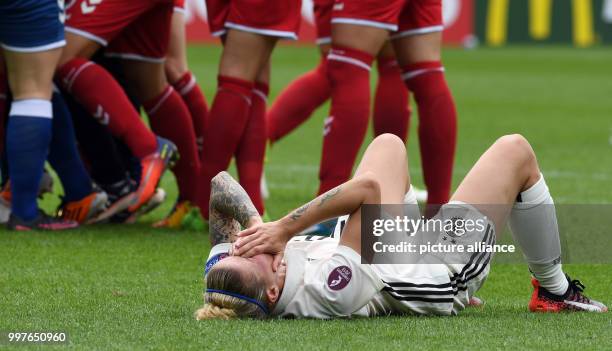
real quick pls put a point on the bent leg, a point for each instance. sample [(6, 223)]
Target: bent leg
[(100, 94), (508, 167), (506, 182), (169, 118), (386, 158)]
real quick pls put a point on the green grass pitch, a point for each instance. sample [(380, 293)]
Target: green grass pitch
[(133, 287)]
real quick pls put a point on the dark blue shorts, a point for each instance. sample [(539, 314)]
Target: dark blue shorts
[(31, 25)]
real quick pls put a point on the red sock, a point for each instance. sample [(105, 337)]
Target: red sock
[(437, 127), (3, 107), (345, 128), (252, 147), (226, 123), (298, 101), (196, 102), (98, 92), (170, 119), (391, 104)]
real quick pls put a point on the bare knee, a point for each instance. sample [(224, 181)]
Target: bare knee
[(393, 146), (518, 151), (391, 141)]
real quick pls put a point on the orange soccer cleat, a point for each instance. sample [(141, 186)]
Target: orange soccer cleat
[(84, 210), (153, 167)]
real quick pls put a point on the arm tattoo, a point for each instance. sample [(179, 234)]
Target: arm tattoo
[(295, 215), (230, 208), (222, 229), (328, 195), (300, 211)]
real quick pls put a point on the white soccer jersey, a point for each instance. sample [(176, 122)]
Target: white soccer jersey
[(326, 280)]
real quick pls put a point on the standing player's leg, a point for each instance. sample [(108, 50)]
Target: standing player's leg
[(4, 95), (80, 202), (143, 57), (506, 183), (169, 118), (89, 27), (252, 147), (251, 29), (29, 129), (391, 113), (348, 66), (244, 54), (417, 45), (32, 48), (94, 88), (178, 74), (296, 103), (359, 30)]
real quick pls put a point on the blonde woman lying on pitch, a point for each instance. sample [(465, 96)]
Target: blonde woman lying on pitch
[(264, 271)]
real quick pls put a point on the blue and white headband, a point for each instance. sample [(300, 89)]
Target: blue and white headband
[(242, 297)]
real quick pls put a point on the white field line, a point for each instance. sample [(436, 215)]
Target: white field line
[(557, 174), (300, 169)]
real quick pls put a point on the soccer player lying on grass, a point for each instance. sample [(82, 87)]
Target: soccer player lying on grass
[(266, 273)]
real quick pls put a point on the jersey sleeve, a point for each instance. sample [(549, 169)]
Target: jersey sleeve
[(341, 285), (340, 224)]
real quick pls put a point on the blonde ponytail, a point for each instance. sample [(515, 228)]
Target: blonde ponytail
[(210, 311), (229, 294)]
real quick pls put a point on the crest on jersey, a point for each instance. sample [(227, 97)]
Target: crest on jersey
[(339, 278), (455, 228)]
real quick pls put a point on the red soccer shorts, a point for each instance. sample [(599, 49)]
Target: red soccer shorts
[(135, 29), (277, 18), (405, 17), (323, 16), (179, 6)]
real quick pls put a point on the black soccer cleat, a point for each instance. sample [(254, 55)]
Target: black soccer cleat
[(41, 222), (573, 300)]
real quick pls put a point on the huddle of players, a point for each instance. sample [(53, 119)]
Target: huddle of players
[(118, 56)]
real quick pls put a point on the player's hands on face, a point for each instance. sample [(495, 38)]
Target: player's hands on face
[(269, 238)]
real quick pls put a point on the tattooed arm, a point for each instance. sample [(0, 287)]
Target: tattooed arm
[(344, 199), (341, 200), (230, 209)]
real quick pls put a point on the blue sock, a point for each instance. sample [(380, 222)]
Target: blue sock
[(64, 156), (27, 142)]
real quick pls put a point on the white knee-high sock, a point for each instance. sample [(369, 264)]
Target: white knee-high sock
[(412, 207), (533, 222)]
